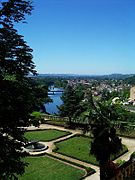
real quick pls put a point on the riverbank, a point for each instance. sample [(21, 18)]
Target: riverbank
[(52, 108)]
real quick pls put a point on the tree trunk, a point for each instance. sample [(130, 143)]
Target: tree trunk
[(103, 175), (70, 122)]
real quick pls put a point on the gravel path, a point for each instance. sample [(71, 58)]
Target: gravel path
[(130, 143)]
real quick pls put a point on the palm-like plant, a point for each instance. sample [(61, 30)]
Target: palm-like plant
[(100, 116)]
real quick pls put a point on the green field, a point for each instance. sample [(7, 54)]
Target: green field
[(45, 135), (78, 147), (46, 168)]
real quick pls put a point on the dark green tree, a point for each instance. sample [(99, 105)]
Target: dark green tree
[(80, 91), (19, 95), (70, 104)]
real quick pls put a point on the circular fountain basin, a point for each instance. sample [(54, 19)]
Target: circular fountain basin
[(35, 147)]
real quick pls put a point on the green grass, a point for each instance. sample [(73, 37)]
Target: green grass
[(76, 147), (45, 168), (79, 147), (89, 170), (45, 135)]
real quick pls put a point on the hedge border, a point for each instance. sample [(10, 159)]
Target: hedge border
[(55, 124), (126, 136)]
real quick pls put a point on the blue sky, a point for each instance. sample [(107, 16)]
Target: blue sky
[(82, 36)]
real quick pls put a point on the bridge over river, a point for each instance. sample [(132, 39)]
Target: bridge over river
[(52, 92)]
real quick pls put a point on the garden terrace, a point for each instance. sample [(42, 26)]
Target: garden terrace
[(78, 147)]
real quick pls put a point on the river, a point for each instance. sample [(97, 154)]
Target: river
[(51, 108)]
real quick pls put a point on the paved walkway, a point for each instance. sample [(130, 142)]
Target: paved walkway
[(130, 143)]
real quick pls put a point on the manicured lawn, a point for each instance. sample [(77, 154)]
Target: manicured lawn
[(78, 147), (45, 168), (45, 135)]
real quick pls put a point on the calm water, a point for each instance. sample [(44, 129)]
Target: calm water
[(52, 107)]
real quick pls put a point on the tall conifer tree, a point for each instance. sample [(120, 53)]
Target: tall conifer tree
[(19, 95)]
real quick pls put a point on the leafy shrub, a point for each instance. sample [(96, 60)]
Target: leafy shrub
[(37, 118)]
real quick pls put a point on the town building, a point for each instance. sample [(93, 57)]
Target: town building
[(132, 93)]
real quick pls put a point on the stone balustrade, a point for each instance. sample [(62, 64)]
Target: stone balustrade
[(125, 172)]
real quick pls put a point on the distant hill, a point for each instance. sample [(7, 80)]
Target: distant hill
[(98, 77), (130, 80), (117, 76)]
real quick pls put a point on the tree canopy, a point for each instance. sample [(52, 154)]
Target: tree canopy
[(19, 95), (70, 104)]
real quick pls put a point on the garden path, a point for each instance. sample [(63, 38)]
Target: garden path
[(130, 143)]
